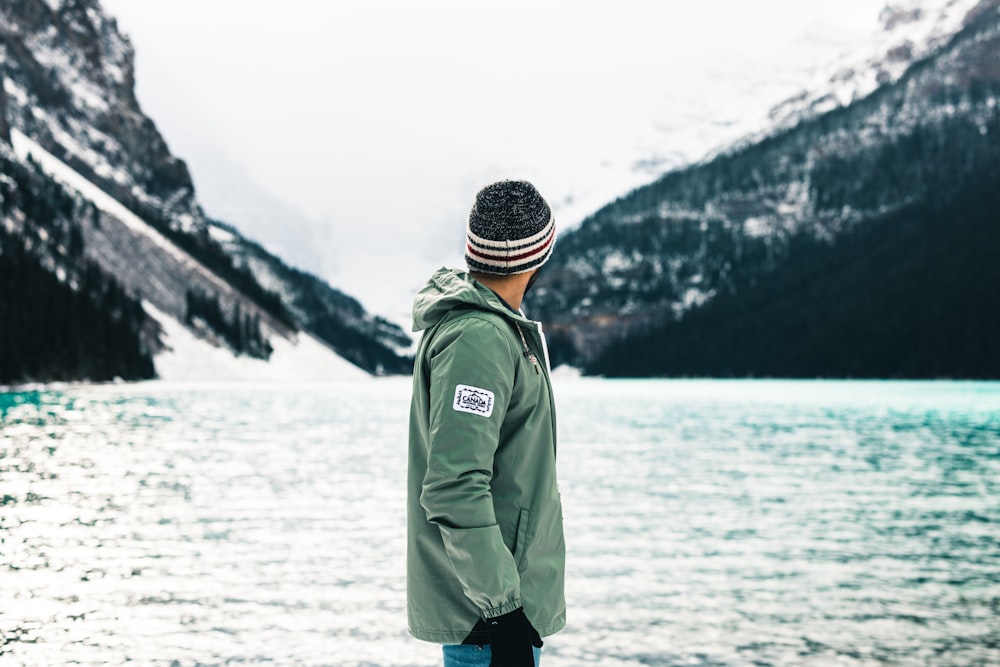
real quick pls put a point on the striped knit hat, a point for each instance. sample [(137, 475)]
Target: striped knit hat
[(510, 229)]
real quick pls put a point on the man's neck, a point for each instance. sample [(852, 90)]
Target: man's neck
[(508, 288)]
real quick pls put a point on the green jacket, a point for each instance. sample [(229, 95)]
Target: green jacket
[(484, 517)]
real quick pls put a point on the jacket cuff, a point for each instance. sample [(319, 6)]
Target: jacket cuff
[(505, 608)]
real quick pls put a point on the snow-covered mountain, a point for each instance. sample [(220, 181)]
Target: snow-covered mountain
[(841, 161), (70, 125), (690, 129), (910, 31)]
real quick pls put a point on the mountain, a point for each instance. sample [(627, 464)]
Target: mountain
[(369, 341), (804, 250), (118, 209), (910, 30)]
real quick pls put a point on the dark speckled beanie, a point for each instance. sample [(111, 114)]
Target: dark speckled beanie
[(510, 230)]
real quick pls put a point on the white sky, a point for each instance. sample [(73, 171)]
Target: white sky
[(351, 137)]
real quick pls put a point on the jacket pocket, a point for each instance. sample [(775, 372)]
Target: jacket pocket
[(521, 538)]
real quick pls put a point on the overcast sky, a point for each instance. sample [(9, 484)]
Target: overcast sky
[(351, 137)]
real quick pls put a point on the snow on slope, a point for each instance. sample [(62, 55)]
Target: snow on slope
[(910, 31), (69, 177), (187, 357)]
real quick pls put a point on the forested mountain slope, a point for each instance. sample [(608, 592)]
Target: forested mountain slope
[(917, 153)]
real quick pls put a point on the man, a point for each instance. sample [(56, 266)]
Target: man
[(485, 550)]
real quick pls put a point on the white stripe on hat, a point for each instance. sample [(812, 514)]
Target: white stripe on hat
[(520, 243)]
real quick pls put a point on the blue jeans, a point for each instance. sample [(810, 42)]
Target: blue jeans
[(465, 655)]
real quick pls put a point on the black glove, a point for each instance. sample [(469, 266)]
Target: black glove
[(511, 639)]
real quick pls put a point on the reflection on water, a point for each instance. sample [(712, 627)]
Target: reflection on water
[(708, 523)]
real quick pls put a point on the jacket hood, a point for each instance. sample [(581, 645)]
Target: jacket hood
[(448, 289)]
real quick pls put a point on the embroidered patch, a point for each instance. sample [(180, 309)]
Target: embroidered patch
[(473, 399)]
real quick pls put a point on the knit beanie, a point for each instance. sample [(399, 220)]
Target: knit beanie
[(510, 229)]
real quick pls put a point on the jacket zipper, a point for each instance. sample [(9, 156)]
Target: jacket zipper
[(527, 350)]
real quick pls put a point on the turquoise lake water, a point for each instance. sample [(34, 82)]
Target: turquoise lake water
[(708, 523)]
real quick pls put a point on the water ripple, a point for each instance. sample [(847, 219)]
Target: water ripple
[(708, 523)]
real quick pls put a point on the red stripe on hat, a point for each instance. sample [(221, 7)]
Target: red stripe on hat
[(510, 258)]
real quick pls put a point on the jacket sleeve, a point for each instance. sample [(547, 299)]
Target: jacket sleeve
[(470, 355)]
